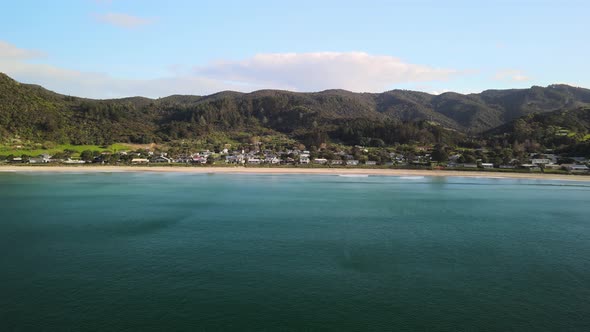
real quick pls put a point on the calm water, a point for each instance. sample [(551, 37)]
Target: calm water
[(161, 252)]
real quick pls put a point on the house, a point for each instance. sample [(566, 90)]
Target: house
[(320, 161), (540, 162), (336, 162), (16, 160), (507, 167), (580, 160), (352, 162), (235, 159), (42, 159), (531, 167), (162, 160), (139, 161), (73, 161), (576, 168), (370, 163), (487, 165), (272, 160), (468, 165), (304, 159), (199, 160), (254, 161)]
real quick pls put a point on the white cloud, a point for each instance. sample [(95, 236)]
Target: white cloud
[(511, 75), (355, 71), (100, 85), (301, 72), (9, 51), (123, 20)]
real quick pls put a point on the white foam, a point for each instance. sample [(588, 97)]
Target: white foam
[(411, 177), (354, 175)]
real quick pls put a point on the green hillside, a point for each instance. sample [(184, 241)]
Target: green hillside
[(399, 116)]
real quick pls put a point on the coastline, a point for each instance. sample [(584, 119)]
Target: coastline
[(301, 171)]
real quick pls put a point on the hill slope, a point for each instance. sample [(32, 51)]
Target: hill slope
[(38, 114)]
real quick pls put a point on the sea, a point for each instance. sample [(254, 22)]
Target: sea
[(251, 252)]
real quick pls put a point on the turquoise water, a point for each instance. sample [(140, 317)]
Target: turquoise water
[(174, 252)]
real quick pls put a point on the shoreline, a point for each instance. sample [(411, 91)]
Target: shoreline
[(300, 171)]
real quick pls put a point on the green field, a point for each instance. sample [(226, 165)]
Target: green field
[(36, 150)]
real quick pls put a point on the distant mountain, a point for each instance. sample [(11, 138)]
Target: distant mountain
[(35, 113)]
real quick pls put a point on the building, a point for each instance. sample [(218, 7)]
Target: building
[(487, 165), (73, 161), (162, 160), (140, 161), (468, 165), (576, 168), (320, 161)]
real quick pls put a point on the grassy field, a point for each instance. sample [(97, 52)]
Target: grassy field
[(36, 150)]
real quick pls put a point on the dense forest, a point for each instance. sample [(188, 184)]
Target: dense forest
[(556, 116)]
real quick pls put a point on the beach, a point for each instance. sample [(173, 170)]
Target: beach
[(277, 170)]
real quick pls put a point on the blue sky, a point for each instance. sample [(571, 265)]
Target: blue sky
[(102, 48)]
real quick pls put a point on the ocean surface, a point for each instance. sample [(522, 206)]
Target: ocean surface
[(211, 252)]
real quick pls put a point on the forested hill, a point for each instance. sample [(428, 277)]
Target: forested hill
[(35, 113)]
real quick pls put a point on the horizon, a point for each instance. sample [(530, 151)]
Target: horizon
[(104, 49), (290, 91)]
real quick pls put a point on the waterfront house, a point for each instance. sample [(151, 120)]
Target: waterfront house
[(487, 165), (531, 167), (370, 163), (320, 161), (468, 165), (540, 162), (199, 159), (352, 162), (73, 161), (162, 160), (139, 161), (574, 168), (272, 160)]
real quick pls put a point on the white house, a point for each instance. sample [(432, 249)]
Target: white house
[(139, 161), (576, 168), (72, 161)]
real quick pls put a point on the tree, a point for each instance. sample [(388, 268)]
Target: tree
[(87, 155), (440, 154)]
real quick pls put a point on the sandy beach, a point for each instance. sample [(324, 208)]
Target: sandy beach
[(324, 171)]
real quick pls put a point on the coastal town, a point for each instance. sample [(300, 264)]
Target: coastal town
[(421, 157)]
